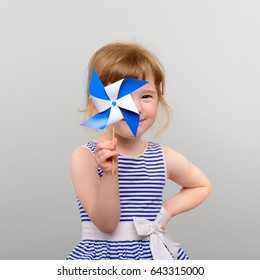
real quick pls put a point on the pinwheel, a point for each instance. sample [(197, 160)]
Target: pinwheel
[(113, 102)]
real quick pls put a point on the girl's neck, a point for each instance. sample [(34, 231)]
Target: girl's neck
[(131, 147)]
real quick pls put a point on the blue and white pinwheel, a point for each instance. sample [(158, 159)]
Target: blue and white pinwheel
[(114, 103)]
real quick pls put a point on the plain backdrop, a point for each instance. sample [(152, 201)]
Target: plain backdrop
[(210, 52)]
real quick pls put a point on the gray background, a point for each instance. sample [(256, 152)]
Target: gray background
[(210, 51)]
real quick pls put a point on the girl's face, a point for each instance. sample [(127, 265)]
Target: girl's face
[(146, 101)]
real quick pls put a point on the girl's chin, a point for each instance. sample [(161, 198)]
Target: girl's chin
[(126, 135)]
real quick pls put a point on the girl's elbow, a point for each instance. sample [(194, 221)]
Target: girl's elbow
[(108, 228), (107, 225), (207, 188)]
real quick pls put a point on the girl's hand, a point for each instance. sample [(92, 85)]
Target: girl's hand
[(104, 154)]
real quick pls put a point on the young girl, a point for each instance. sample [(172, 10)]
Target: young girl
[(123, 215)]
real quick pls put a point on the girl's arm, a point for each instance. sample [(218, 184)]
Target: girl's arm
[(195, 185), (98, 196)]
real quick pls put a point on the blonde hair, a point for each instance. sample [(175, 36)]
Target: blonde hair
[(120, 60)]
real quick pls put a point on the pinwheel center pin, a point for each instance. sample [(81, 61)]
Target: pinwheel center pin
[(114, 103)]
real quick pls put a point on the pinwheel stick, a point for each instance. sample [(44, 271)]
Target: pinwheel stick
[(113, 158)]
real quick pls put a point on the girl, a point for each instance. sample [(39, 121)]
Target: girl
[(123, 215)]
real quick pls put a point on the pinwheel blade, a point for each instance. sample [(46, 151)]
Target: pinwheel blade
[(129, 85), (132, 119), (127, 102), (96, 87), (98, 121)]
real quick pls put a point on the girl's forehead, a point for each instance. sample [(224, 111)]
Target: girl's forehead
[(151, 81), (150, 77)]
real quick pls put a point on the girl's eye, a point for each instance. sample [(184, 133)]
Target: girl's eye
[(146, 96)]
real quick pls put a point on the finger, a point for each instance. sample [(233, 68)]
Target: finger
[(114, 142), (109, 145), (105, 155)]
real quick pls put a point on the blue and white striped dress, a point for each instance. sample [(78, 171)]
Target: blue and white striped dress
[(141, 182)]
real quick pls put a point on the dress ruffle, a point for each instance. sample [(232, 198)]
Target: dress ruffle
[(115, 250)]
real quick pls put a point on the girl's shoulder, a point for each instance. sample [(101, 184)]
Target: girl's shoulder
[(176, 163), (84, 152), (83, 160), (173, 155)]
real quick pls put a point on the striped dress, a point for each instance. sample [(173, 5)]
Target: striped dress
[(141, 182)]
